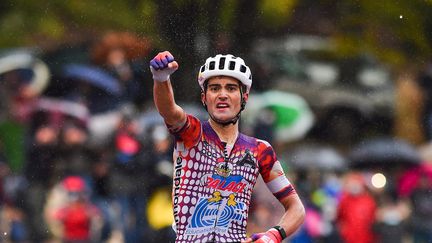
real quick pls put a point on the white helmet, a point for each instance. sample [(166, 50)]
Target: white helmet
[(225, 65)]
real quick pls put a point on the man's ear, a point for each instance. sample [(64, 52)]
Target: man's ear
[(202, 98), (245, 97)]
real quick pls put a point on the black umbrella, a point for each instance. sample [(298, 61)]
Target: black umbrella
[(384, 152), (317, 157)]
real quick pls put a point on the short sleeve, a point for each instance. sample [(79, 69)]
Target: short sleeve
[(272, 172), (189, 134)]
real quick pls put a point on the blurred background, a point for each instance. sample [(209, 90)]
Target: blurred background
[(341, 89)]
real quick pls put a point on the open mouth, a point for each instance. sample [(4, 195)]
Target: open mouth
[(222, 105)]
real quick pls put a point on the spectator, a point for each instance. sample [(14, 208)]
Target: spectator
[(356, 211), (421, 218), (101, 195), (160, 178), (128, 182), (76, 158), (391, 218), (120, 54), (23, 77), (76, 218), (42, 158), (425, 82), (12, 217)]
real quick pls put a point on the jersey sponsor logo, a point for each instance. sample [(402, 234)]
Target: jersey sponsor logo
[(177, 182), (234, 183), (247, 160), (224, 169), (215, 216)]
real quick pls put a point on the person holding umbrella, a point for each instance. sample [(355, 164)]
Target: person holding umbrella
[(216, 166)]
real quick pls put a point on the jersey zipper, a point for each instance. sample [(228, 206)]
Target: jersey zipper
[(226, 161)]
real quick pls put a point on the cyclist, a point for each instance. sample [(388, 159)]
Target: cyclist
[(216, 166)]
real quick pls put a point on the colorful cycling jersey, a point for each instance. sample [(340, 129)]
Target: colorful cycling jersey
[(212, 188)]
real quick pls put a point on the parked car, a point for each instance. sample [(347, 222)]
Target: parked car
[(350, 96)]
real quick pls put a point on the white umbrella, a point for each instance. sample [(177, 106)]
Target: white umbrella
[(23, 60)]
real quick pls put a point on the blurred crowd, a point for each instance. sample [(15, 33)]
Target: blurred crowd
[(85, 157)]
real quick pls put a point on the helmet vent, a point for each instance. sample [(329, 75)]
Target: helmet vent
[(231, 65), (212, 65), (222, 63), (242, 69)]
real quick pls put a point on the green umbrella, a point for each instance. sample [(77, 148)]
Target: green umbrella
[(291, 116)]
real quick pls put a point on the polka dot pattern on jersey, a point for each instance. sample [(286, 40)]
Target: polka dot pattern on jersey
[(213, 190)]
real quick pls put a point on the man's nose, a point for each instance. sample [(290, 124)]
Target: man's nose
[(223, 93)]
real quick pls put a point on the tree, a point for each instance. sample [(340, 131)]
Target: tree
[(399, 32)]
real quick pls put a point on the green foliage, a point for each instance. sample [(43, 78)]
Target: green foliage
[(29, 22), (394, 31), (397, 31), (228, 14), (276, 13)]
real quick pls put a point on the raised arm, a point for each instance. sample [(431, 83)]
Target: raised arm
[(162, 66)]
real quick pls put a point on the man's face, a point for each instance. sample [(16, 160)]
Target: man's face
[(223, 97)]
